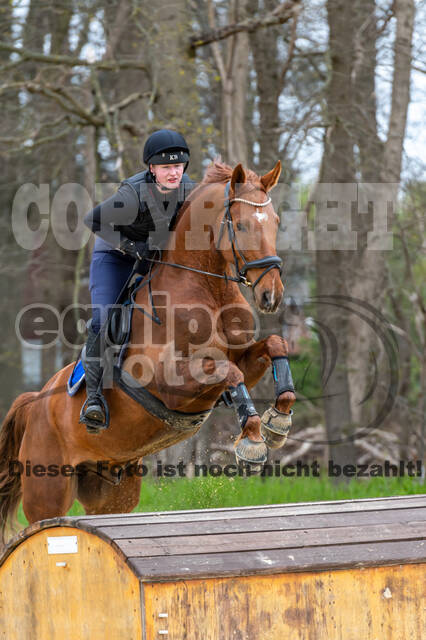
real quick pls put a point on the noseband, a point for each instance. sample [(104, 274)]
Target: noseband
[(269, 262)]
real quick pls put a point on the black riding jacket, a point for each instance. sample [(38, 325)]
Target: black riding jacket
[(137, 211)]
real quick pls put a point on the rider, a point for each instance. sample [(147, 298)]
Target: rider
[(129, 223)]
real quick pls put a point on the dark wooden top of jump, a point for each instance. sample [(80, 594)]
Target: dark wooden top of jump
[(309, 536)]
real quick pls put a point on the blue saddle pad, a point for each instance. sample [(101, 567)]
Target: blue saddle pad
[(76, 378)]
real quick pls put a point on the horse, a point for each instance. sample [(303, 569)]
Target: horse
[(213, 351)]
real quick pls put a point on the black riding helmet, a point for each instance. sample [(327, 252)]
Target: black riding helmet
[(166, 147)]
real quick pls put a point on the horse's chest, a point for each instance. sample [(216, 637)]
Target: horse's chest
[(236, 327), (200, 326)]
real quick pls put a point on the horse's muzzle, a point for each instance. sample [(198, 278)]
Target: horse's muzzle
[(269, 296), (269, 302)]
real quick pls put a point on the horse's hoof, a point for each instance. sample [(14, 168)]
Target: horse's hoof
[(272, 440), (251, 453), (275, 426), (248, 469)]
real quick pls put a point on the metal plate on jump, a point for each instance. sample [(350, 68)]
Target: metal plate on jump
[(62, 544)]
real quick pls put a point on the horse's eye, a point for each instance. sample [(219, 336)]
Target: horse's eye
[(240, 226)]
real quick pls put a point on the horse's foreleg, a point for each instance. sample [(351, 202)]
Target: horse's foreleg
[(273, 351), (206, 378), (250, 445), (255, 361)]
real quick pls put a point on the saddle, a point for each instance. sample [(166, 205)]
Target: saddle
[(117, 333)]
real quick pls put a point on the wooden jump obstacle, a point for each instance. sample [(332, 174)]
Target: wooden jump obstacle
[(345, 570)]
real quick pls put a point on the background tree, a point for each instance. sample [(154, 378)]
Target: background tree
[(353, 150)]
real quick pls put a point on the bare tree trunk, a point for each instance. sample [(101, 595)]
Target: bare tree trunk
[(59, 24), (379, 164), (121, 29), (233, 69), (360, 273), (332, 264), (51, 263), (238, 66), (368, 266), (404, 13), (264, 48), (177, 100)]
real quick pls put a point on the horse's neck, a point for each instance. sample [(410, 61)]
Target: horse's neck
[(180, 251), (192, 247)]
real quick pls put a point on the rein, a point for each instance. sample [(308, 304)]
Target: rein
[(269, 262)]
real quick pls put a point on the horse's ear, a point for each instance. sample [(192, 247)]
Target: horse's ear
[(238, 176), (270, 179)]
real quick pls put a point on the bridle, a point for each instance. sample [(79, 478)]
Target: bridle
[(269, 262)]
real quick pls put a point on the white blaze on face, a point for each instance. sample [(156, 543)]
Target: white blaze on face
[(261, 216), (273, 293)]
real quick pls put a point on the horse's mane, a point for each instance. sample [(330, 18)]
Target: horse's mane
[(218, 171)]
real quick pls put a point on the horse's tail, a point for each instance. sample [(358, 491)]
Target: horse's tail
[(11, 434)]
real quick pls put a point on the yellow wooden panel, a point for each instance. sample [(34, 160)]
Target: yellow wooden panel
[(95, 596), (383, 603)]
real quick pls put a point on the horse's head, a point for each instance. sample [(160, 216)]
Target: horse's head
[(250, 225), (237, 226)]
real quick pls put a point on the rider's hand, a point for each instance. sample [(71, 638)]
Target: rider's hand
[(135, 249)]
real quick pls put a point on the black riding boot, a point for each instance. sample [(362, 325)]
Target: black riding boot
[(94, 410)]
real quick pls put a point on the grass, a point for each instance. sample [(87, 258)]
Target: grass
[(207, 493), (166, 494)]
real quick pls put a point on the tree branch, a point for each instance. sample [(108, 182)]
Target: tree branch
[(37, 143), (69, 61), (32, 135), (416, 68), (215, 47), (72, 106), (388, 15), (133, 129), (310, 56), (281, 14), (133, 97), (291, 46)]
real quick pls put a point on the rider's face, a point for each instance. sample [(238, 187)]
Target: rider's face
[(168, 175)]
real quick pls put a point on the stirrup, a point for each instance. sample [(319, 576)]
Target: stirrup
[(95, 426)]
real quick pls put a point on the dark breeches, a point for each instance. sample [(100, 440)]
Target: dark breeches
[(109, 271)]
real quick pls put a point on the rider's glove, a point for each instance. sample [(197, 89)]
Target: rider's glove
[(135, 249)]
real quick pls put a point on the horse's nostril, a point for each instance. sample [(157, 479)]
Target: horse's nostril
[(266, 299)]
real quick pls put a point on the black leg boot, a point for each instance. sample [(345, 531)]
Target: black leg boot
[(94, 412)]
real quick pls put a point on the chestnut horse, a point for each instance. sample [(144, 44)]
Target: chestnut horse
[(224, 236)]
